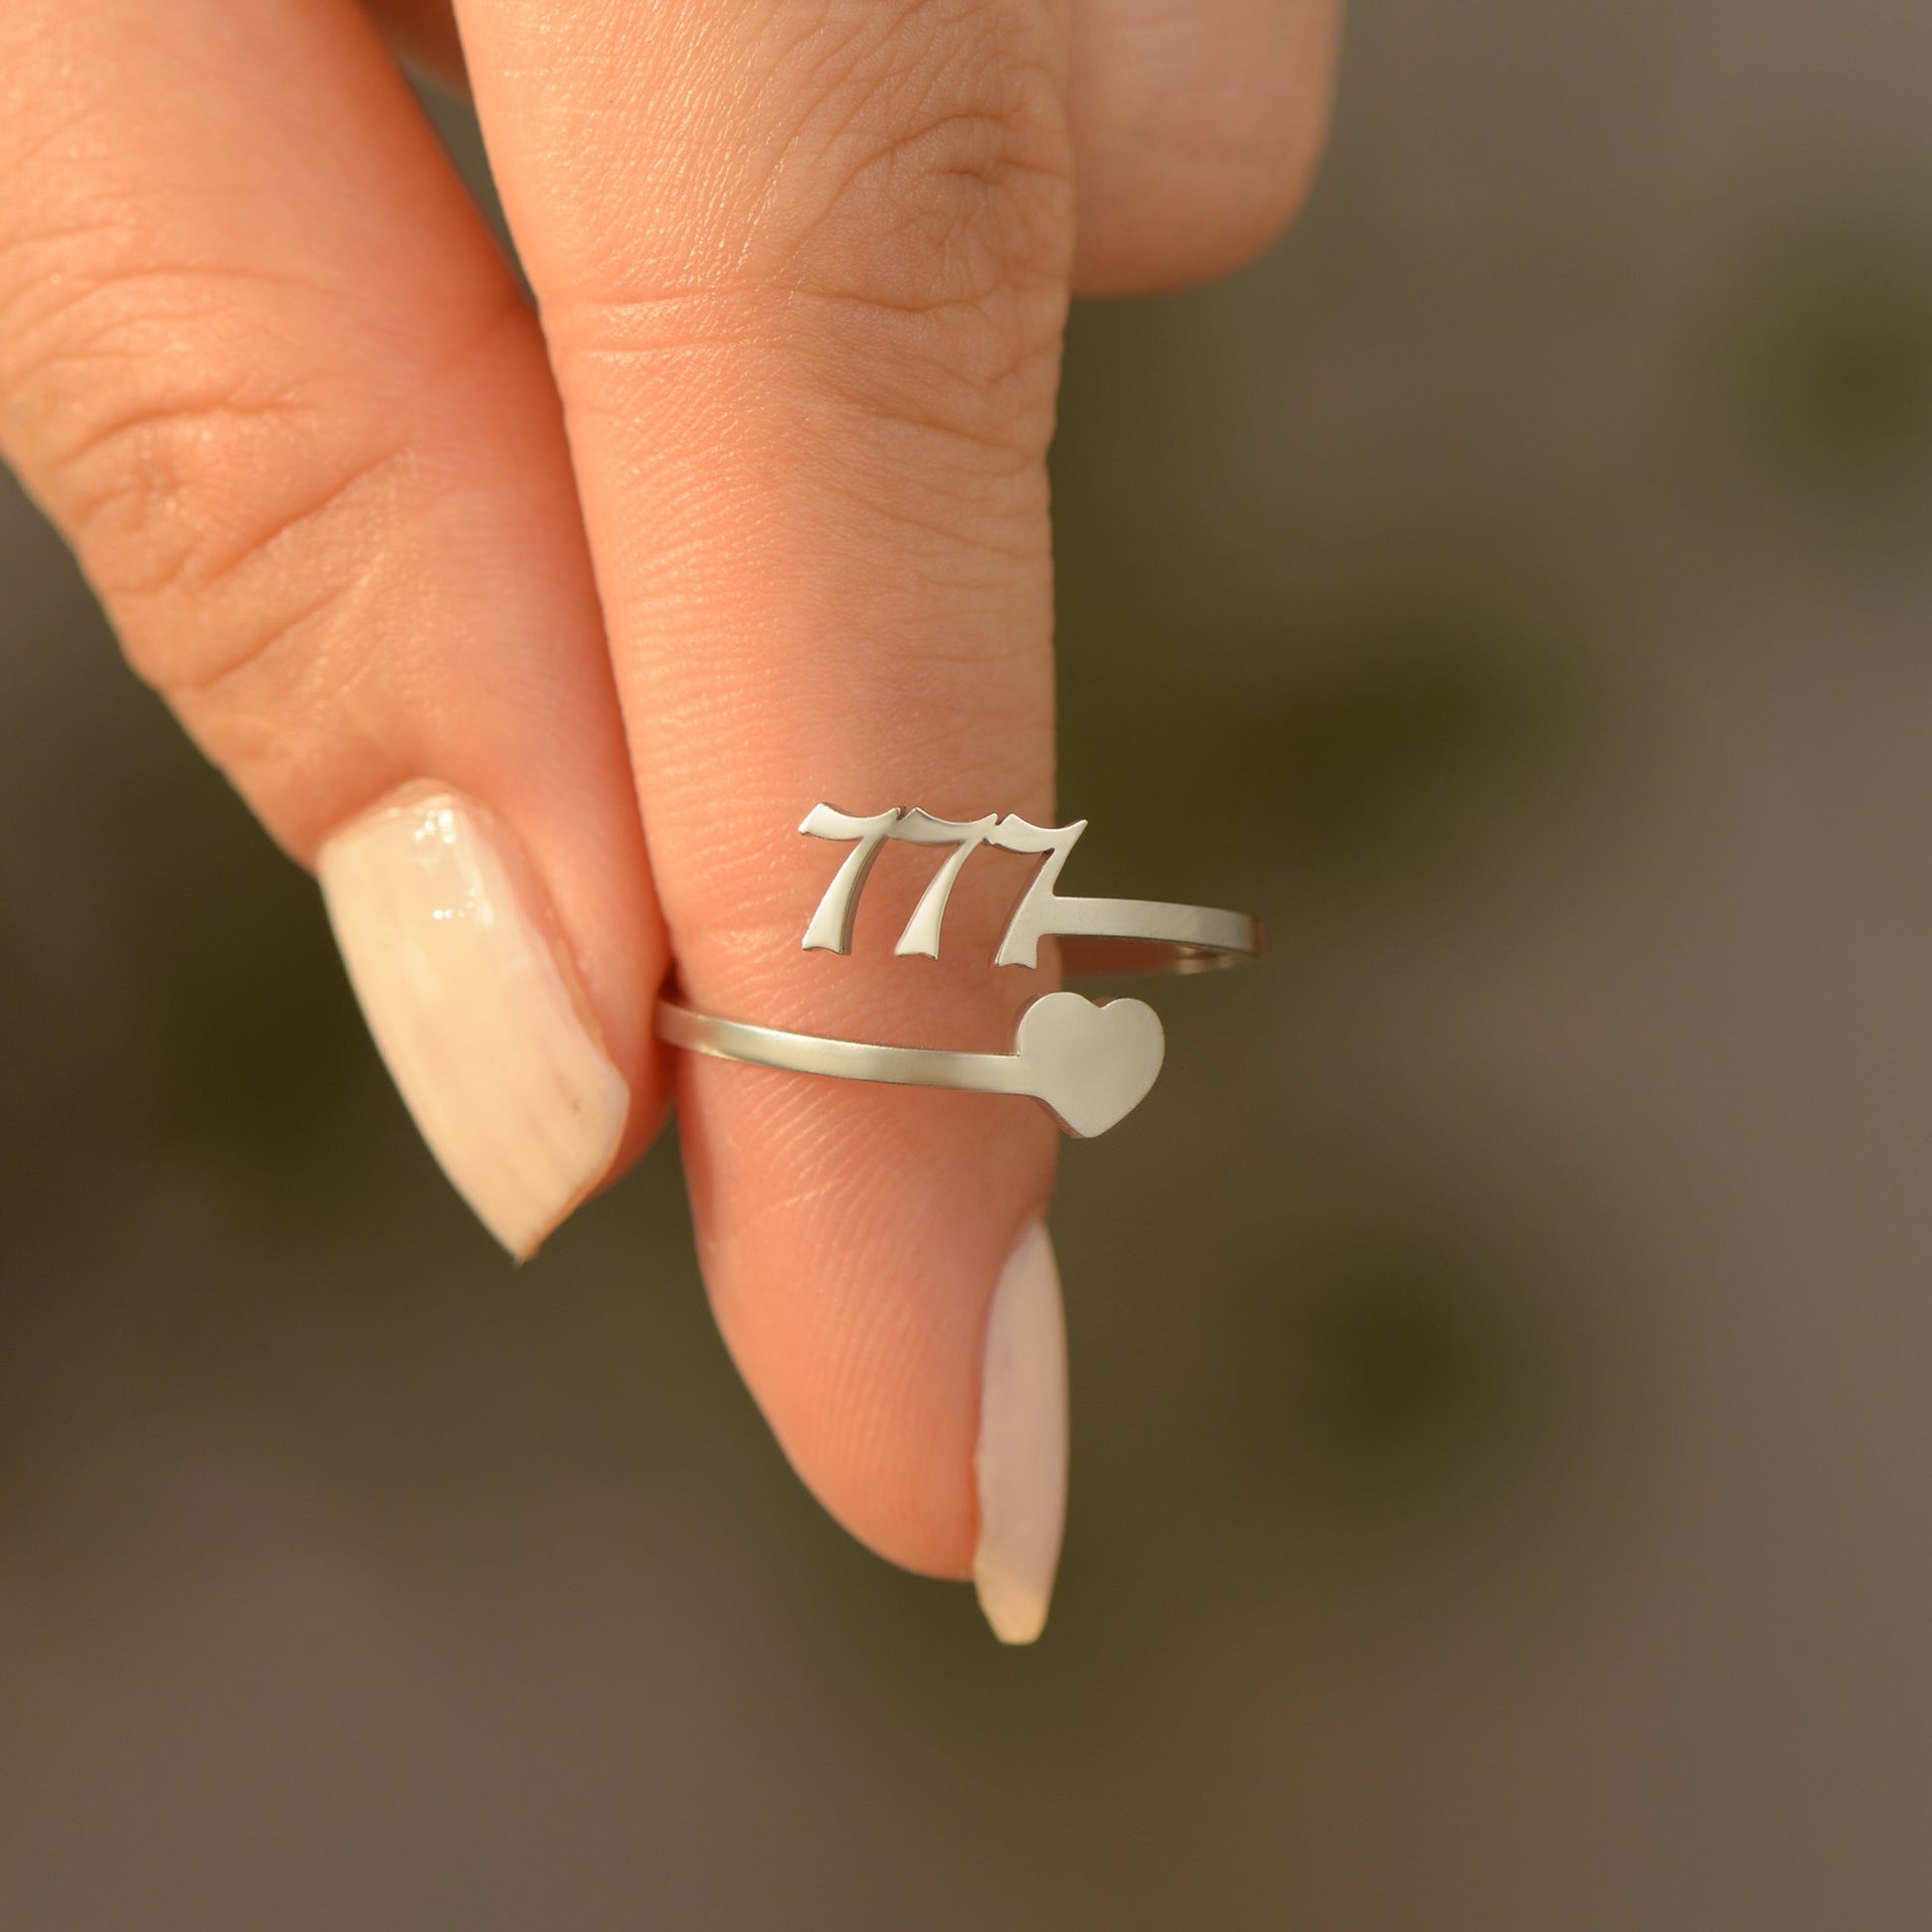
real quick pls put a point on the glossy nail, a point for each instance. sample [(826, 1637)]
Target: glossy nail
[(1020, 1461), (472, 1001)]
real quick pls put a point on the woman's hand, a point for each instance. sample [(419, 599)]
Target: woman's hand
[(537, 631)]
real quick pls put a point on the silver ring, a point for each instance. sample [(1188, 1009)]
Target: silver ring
[(1096, 935), (1090, 1062)]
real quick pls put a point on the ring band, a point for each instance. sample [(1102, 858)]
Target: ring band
[(1104, 937), (1090, 1062), (1089, 1066)]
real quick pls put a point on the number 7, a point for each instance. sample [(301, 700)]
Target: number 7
[(1033, 915), (922, 935), (831, 926)]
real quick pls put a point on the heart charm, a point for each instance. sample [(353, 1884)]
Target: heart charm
[(1091, 1065)]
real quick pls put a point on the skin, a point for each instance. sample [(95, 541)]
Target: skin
[(749, 509)]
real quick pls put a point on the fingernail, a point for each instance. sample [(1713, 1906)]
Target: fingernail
[(476, 1008), (1021, 1462)]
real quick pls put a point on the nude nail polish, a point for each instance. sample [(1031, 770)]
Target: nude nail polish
[(1020, 1461), (475, 1008)]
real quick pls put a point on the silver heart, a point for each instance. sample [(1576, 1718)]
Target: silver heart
[(1091, 1064)]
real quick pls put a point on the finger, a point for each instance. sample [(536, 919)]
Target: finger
[(1196, 126), (261, 363), (1200, 123), (804, 271)]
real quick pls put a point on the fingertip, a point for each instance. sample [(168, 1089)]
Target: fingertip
[(1199, 126), (855, 1242)]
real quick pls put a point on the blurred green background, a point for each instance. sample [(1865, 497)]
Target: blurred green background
[(1502, 1434)]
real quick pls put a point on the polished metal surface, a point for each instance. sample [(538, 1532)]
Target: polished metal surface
[(1090, 1062), (1097, 935)]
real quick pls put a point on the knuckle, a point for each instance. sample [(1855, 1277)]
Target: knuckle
[(216, 503), (901, 235), (933, 229), (939, 176)]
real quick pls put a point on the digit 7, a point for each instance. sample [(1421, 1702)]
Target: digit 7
[(830, 929), (1032, 918), (916, 827)]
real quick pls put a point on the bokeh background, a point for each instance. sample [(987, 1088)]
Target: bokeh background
[(1502, 1434)]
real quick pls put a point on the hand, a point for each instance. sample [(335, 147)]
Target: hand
[(536, 632)]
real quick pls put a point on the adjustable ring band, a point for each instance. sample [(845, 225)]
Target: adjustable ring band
[(1103, 937), (1089, 1066), (1089, 1063), (842, 1059)]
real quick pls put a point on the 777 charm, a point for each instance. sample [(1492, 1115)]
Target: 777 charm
[(1090, 1062), (1197, 936)]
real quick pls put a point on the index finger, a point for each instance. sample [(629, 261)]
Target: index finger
[(803, 270)]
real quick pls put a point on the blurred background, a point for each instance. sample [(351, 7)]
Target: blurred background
[(1502, 1436)]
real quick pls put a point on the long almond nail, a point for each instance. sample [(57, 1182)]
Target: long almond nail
[(1021, 1462), (476, 1008)]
